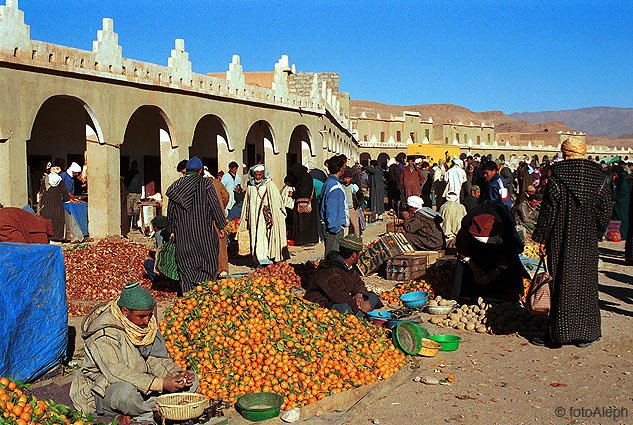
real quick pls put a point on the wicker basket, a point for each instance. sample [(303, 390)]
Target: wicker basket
[(181, 406), (429, 348)]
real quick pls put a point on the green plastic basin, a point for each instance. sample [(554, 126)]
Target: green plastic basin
[(257, 407), (408, 336), (448, 342)]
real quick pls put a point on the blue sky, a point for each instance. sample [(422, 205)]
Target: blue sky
[(512, 56)]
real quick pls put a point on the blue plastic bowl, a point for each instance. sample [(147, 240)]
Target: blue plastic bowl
[(379, 315), (394, 322), (415, 299)]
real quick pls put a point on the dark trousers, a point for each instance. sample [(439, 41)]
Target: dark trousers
[(345, 308), (149, 268), (331, 240)]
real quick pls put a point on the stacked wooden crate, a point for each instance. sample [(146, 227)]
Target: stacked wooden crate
[(411, 265)]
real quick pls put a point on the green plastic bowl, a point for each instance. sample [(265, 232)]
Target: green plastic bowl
[(448, 342), (408, 336), (257, 407)]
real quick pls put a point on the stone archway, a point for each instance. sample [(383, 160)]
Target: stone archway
[(260, 144), (300, 147), (210, 142), (147, 129), (364, 159), (59, 133), (383, 158)]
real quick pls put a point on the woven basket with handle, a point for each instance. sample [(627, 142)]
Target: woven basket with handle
[(181, 406), (429, 348)]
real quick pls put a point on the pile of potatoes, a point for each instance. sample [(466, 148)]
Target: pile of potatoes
[(492, 318), (439, 301)]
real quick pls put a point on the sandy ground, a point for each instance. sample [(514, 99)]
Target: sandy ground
[(500, 379)]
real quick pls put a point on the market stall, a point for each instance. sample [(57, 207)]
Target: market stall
[(76, 220)]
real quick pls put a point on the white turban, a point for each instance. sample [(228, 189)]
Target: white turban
[(75, 168), (415, 202), (418, 161), (259, 167), (452, 197), (458, 162), (54, 179)]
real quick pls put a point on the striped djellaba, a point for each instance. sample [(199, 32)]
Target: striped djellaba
[(574, 215), (193, 209)]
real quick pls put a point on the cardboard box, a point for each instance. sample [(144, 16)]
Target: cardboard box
[(372, 258), (396, 244)]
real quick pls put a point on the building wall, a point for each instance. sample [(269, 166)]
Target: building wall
[(393, 130), (465, 134), (98, 93), (301, 83)]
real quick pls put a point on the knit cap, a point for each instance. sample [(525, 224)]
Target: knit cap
[(160, 221), (194, 164), (353, 242), (135, 297)]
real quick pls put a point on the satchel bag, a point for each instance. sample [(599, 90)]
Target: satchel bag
[(538, 299), (244, 242), (166, 260), (304, 205)]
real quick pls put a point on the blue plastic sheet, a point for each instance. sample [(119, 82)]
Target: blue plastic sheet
[(79, 211), (34, 325)]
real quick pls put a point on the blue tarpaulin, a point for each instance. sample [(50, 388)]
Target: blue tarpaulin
[(79, 211), (34, 325)]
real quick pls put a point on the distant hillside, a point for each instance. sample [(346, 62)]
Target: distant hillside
[(600, 121), (439, 112)]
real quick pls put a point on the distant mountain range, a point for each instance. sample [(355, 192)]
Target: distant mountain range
[(604, 125), (599, 121)]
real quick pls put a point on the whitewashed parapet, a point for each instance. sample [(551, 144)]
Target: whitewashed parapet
[(15, 35), (280, 77), (235, 74), (108, 53), (180, 64), (106, 61)]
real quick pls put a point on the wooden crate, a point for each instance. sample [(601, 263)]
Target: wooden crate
[(405, 273), (370, 217), (431, 256), (407, 266), (392, 226), (409, 259)]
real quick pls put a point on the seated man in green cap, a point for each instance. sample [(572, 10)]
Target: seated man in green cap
[(337, 285), (126, 365)]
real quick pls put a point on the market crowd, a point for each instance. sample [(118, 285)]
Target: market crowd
[(481, 208)]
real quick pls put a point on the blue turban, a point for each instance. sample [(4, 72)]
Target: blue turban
[(194, 164)]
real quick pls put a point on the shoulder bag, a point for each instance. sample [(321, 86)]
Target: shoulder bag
[(166, 260), (538, 299), (304, 205)]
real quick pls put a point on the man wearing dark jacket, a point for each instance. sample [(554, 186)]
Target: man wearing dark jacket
[(422, 226), (472, 199), (337, 285)]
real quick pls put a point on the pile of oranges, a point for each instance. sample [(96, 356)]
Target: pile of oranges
[(232, 226), (436, 281), (19, 408), (250, 335)]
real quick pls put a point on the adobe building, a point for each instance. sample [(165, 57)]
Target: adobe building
[(102, 109)]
